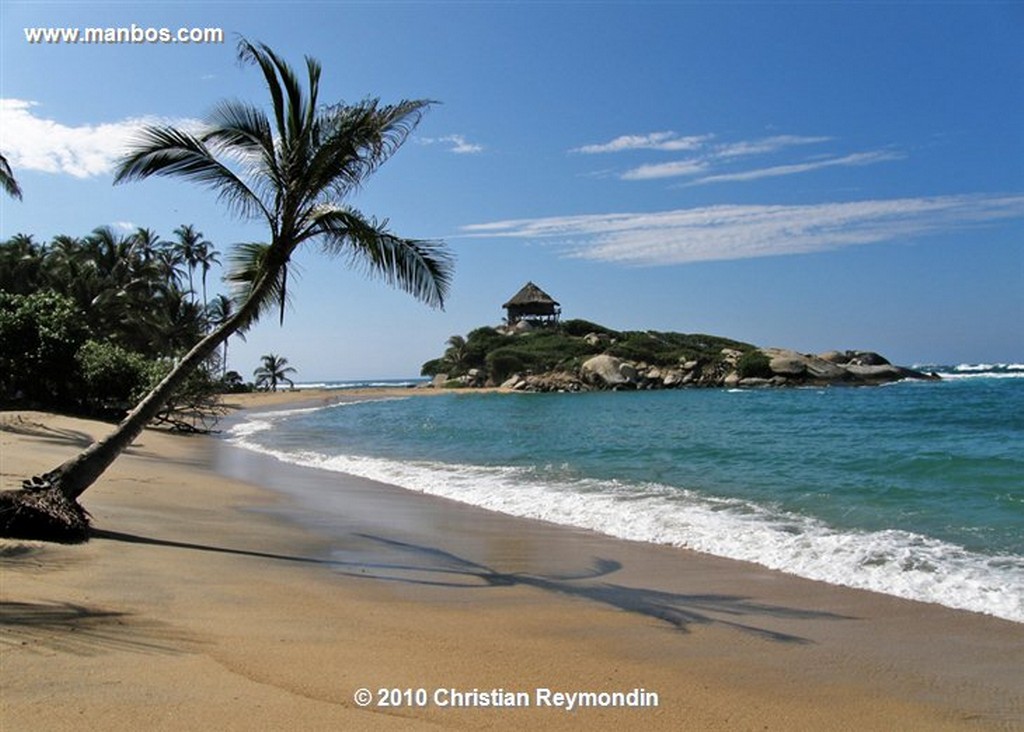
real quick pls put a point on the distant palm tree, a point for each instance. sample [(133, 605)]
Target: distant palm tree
[(7, 179), (275, 369), (206, 257), (292, 170), (187, 249), (455, 355), (19, 272), (218, 311)]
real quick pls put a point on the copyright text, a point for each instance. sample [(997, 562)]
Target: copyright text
[(451, 698)]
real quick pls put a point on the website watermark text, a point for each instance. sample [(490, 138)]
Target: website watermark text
[(126, 35)]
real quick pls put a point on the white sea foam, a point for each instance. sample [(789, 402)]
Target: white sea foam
[(398, 384), (986, 370), (984, 375), (892, 562)]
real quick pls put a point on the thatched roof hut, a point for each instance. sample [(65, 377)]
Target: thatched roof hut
[(532, 304)]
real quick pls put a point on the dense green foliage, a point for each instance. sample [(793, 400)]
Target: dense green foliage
[(579, 328), (754, 364), (40, 333), (567, 346), (666, 349), (91, 324), (114, 377)]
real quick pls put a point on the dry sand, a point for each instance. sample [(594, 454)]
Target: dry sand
[(207, 602)]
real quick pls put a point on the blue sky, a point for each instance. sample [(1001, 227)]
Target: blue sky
[(805, 175)]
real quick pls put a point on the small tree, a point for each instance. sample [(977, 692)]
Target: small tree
[(273, 371)]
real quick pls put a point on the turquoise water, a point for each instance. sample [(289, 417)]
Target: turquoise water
[(915, 489)]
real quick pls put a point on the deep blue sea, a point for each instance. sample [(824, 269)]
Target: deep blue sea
[(913, 489)]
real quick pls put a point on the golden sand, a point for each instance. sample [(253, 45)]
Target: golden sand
[(207, 602)]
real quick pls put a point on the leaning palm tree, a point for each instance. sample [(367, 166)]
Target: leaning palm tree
[(7, 181), (292, 169), (273, 371)]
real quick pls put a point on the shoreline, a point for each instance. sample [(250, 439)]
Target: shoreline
[(933, 567), (216, 576)]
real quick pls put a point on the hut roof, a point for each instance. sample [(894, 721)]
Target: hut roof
[(530, 295)]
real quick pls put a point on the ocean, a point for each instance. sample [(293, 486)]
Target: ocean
[(914, 489)]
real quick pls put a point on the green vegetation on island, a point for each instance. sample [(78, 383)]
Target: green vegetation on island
[(577, 355), (494, 355)]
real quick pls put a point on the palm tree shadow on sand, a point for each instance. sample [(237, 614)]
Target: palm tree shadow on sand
[(417, 564), (65, 627)]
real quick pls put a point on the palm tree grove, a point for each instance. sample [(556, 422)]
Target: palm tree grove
[(120, 323)]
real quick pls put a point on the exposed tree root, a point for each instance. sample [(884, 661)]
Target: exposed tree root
[(40, 511)]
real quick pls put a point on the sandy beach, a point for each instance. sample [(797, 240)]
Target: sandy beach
[(207, 600)]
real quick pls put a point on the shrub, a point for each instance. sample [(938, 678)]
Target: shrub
[(479, 343), (40, 333), (579, 328), (753, 364), (113, 377), (504, 362), (434, 367)]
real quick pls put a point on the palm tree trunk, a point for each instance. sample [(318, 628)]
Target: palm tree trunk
[(74, 476), (47, 506)]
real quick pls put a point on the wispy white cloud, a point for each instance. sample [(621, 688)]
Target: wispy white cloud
[(731, 232), (854, 159), (666, 170), (457, 144), (667, 141), (33, 142), (708, 156), (764, 145)]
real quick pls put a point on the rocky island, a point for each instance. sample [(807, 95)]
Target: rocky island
[(536, 351)]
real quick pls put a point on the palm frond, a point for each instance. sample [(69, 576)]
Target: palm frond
[(10, 185), (252, 272), (259, 54), (168, 151), (240, 129), (282, 82), (420, 267), (356, 140)]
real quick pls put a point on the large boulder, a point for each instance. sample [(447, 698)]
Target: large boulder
[(784, 362), (821, 370), (671, 378), (731, 356), (514, 382), (867, 358), (880, 372), (836, 357), (605, 370), (794, 365), (857, 358)]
